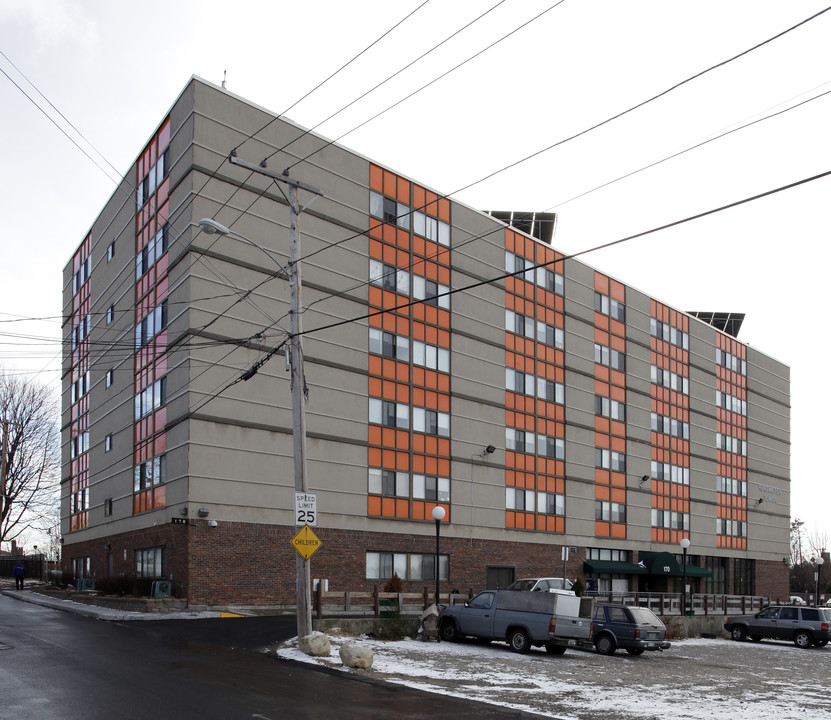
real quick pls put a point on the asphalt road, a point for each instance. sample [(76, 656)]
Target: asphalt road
[(56, 665)]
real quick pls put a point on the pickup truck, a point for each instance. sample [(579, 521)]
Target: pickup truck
[(522, 619)]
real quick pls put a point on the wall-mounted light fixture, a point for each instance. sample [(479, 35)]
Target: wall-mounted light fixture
[(490, 450), (212, 523), (183, 511), (204, 512), (758, 502), (644, 480)]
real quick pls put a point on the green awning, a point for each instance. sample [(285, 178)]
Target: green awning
[(664, 563), (613, 567)]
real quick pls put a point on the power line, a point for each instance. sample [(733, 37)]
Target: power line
[(603, 246), (576, 135)]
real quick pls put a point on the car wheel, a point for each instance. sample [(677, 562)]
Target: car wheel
[(519, 641), (820, 643), (635, 651), (605, 645), (756, 638), (738, 633), (449, 631), (554, 649), (803, 639)]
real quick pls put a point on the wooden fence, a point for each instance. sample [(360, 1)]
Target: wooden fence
[(374, 603)]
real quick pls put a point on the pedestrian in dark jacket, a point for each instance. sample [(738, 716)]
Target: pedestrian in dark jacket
[(19, 572)]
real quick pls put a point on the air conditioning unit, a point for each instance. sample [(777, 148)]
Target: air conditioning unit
[(82, 584), (161, 589)]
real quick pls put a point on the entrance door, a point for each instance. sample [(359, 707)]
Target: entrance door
[(500, 577)]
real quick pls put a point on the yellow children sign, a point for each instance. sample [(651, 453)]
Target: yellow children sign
[(306, 542)]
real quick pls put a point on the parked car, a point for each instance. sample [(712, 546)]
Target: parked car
[(522, 619), (634, 629), (796, 600), (549, 584), (805, 626)]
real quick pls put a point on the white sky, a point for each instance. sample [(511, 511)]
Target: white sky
[(114, 69)]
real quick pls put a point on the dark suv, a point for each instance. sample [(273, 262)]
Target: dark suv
[(805, 626), (634, 629)]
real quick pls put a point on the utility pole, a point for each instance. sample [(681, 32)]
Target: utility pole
[(298, 380)]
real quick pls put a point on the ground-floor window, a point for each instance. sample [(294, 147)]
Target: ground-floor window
[(744, 576), (151, 562), (408, 566), (81, 567)]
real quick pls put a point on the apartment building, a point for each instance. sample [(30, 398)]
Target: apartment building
[(452, 358)]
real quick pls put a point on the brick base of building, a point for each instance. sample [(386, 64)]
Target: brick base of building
[(254, 564)]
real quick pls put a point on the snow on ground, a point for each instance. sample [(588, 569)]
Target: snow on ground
[(694, 680)]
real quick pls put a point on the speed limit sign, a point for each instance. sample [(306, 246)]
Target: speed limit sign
[(305, 509)]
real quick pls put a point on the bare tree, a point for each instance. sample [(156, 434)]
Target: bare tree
[(797, 541), (29, 457)]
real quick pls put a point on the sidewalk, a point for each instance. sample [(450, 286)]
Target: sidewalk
[(30, 595)]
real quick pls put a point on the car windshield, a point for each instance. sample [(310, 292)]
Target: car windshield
[(522, 584), (642, 615)]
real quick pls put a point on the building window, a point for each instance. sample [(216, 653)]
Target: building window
[(609, 460), (519, 440), (150, 562), (152, 325), (550, 280), (408, 566), (669, 334), (150, 473), (431, 292), (81, 567), (609, 306), (670, 426), (80, 331), (150, 253), (551, 391), (674, 473), (551, 447), (731, 403), (519, 499), (148, 184), (550, 335), (609, 511), (389, 210), (731, 362), (108, 443), (431, 488), (110, 314), (608, 554), (389, 483), (609, 357), (670, 520), (111, 251), (79, 444), (431, 228), (109, 378), (79, 388), (431, 422), (389, 345), (606, 407), (151, 398), (81, 276), (431, 356), (108, 507), (389, 413), (731, 444), (731, 486), (389, 277), (519, 324), (665, 378)]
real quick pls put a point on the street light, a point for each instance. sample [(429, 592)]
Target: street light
[(438, 515), (685, 544), (820, 561)]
